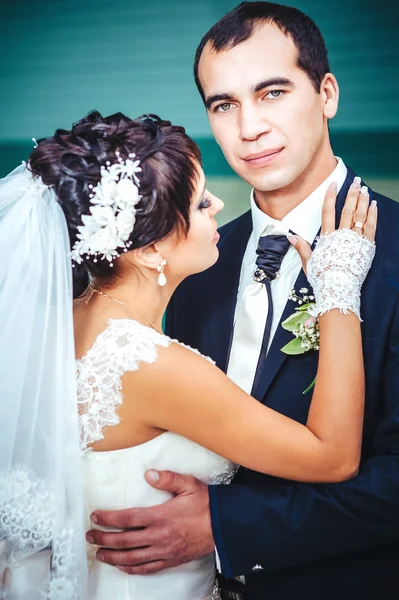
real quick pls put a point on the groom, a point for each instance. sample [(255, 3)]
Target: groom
[(264, 77)]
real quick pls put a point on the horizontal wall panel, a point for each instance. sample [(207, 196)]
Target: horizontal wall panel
[(370, 154), (62, 58)]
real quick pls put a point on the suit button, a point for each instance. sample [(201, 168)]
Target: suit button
[(257, 568)]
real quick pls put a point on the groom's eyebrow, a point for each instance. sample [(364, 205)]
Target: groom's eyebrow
[(272, 82), (215, 98), (283, 81)]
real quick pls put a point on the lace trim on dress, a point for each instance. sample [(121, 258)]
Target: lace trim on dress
[(118, 349), (28, 513), (225, 473)]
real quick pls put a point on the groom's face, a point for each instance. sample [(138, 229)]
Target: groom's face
[(264, 111)]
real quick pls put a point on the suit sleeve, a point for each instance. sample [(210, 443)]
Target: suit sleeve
[(289, 523)]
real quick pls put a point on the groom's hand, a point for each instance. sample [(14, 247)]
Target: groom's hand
[(160, 537)]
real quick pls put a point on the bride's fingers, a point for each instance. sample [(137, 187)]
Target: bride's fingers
[(371, 222), (303, 249), (362, 208), (328, 214), (351, 202)]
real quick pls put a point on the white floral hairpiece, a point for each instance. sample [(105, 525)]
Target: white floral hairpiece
[(112, 214)]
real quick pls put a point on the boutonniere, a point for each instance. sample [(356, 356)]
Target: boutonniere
[(303, 326)]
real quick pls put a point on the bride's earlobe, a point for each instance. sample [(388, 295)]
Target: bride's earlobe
[(162, 277)]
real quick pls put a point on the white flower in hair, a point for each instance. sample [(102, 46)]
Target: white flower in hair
[(125, 221), (112, 214)]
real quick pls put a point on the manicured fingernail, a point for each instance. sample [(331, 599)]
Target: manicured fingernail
[(356, 183), (89, 539), (374, 203), (332, 187), (100, 556), (153, 475), (94, 519), (364, 190), (292, 239)]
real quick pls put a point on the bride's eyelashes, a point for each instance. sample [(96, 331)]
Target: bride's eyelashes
[(205, 203)]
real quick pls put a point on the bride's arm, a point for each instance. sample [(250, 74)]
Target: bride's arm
[(184, 393)]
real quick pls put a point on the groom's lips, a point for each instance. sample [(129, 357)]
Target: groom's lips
[(260, 159)]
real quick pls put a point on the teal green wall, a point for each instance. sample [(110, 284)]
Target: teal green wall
[(375, 153), (62, 58)]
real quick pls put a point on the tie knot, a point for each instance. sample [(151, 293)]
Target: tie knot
[(271, 251)]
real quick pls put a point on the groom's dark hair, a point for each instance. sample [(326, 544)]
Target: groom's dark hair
[(239, 24)]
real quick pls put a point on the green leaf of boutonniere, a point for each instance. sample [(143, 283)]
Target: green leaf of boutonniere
[(304, 306), (295, 320), (293, 347)]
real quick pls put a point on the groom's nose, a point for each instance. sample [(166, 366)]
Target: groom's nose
[(252, 122)]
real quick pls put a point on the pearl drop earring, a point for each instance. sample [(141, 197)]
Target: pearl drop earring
[(161, 276)]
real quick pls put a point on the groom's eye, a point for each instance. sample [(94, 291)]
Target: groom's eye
[(223, 107), (274, 94)]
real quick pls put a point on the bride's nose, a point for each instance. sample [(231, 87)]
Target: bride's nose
[(217, 205)]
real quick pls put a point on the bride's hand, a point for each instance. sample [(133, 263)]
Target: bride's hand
[(356, 210), (342, 258)]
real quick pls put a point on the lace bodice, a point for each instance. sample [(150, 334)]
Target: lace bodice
[(120, 348)]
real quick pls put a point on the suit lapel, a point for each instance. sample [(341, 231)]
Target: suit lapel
[(225, 281), (275, 358)]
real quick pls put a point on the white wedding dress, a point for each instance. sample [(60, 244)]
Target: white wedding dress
[(115, 480)]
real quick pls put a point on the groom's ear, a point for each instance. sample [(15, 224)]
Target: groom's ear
[(329, 91)]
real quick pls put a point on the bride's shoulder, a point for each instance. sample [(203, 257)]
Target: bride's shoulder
[(127, 345), (125, 342), (131, 336)]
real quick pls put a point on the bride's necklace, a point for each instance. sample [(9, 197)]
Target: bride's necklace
[(93, 290)]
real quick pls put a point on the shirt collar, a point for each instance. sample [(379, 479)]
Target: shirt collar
[(304, 219)]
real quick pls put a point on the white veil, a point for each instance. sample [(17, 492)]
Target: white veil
[(42, 543)]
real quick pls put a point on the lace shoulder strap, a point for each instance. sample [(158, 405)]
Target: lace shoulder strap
[(118, 349)]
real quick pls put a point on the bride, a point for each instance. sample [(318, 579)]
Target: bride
[(124, 202)]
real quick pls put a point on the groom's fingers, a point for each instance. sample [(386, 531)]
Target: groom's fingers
[(121, 540), (170, 481), (145, 569), (130, 558), (123, 519)]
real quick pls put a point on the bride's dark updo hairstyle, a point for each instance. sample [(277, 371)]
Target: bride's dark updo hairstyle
[(70, 161)]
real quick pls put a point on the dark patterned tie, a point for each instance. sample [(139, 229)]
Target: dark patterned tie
[(271, 251)]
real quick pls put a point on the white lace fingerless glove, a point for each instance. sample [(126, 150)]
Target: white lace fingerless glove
[(337, 269)]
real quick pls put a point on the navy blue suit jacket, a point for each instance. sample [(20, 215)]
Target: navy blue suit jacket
[(332, 541)]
